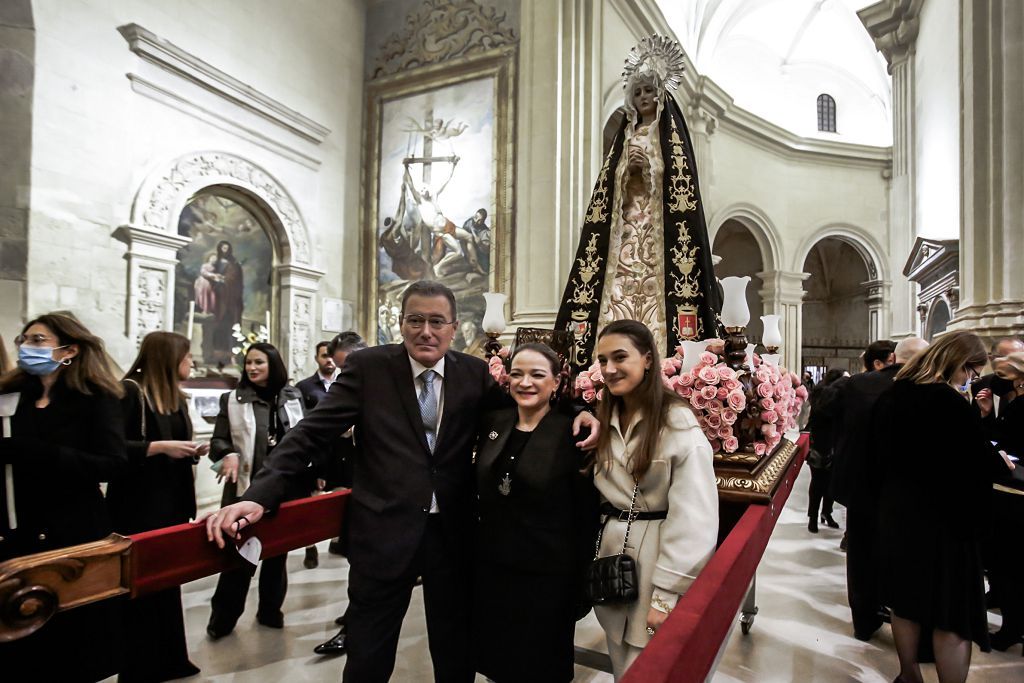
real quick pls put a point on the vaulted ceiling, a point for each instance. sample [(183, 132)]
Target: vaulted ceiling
[(774, 57)]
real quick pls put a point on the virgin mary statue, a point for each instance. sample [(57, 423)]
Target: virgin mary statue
[(643, 251)]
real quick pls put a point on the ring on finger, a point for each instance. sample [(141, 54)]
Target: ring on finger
[(650, 630)]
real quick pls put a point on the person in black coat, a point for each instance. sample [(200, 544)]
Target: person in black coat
[(819, 459), (156, 490), (1005, 552), (855, 484), (63, 436), (412, 506), (934, 502), (538, 524), (252, 421)]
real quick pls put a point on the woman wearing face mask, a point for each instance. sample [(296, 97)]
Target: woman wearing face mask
[(1004, 554), (538, 516), (63, 436), (252, 420), (156, 490), (653, 452), (936, 464)]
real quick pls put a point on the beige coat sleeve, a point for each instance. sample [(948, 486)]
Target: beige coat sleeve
[(689, 533)]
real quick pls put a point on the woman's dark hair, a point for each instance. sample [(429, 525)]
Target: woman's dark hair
[(542, 349), (345, 341), (89, 371), (430, 288), (832, 375), (231, 249), (156, 370), (654, 400), (277, 374)]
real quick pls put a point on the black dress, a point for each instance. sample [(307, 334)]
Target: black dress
[(155, 491), (59, 455), (937, 472), (538, 521)]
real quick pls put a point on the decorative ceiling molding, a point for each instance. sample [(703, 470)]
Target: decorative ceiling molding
[(170, 58), (441, 30)]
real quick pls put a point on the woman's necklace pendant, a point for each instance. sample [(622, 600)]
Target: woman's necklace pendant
[(505, 487)]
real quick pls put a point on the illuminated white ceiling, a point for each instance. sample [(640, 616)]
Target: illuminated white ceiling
[(774, 57)]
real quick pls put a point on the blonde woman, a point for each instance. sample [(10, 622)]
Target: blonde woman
[(937, 468), (651, 443)]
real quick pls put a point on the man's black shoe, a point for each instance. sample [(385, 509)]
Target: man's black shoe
[(334, 646), (334, 547), (274, 620)]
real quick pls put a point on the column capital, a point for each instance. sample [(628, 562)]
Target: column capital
[(783, 285), (893, 25)]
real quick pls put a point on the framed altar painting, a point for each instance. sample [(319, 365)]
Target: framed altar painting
[(438, 173)]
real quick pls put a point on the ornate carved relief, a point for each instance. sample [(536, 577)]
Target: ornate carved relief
[(201, 169), (441, 30), (150, 298), (302, 320)]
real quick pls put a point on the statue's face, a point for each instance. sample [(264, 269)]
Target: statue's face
[(645, 99)]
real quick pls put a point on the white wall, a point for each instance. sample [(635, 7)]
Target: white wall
[(95, 140), (937, 123)]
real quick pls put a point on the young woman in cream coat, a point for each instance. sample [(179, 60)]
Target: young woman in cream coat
[(650, 434)]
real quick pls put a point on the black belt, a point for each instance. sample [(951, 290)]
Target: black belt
[(623, 515)]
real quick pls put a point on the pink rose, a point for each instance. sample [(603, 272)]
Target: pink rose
[(596, 375), (670, 366), (714, 407), (767, 404), (716, 445), (589, 395), (770, 416), (504, 351), (708, 393), (760, 448), (708, 358), (762, 374), (729, 416), (780, 391), (737, 401), (722, 393), (731, 444), (708, 375), (709, 433), (801, 392), (724, 432), (669, 382), (697, 401), (686, 379), (773, 441), (714, 421), (583, 382), (769, 430), (731, 384), (716, 346), (684, 392), (764, 390), (726, 373)]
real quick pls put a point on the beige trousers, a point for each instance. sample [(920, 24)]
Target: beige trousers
[(623, 655)]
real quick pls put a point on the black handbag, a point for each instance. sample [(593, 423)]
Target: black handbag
[(613, 580)]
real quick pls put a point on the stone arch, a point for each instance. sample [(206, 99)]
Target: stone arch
[(937, 320), (759, 225), (153, 242), (861, 240), (165, 193)]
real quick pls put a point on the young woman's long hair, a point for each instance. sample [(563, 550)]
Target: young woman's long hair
[(156, 369), (91, 370), (277, 374), (946, 355), (5, 359), (653, 400)]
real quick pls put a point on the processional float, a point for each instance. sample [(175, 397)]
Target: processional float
[(644, 254)]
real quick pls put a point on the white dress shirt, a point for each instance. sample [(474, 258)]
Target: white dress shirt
[(417, 370), (328, 381)]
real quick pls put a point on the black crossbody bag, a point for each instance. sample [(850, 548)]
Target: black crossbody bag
[(613, 580)]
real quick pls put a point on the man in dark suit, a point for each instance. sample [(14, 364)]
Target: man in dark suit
[(416, 409), (314, 388), (853, 481), (1000, 349)]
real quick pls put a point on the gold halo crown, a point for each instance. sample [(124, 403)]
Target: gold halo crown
[(655, 55)]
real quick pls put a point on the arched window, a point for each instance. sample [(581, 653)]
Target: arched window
[(826, 113)]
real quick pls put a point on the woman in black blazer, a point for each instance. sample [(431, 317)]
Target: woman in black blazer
[(63, 436), (537, 527), (156, 490), (252, 421)]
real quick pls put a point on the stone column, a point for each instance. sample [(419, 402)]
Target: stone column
[(783, 294), (152, 257), (296, 317), (893, 25), (875, 297), (702, 120), (992, 204)]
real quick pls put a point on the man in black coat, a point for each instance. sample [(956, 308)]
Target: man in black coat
[(416, 409), (314, 388), (854, 482), (1000, 349)]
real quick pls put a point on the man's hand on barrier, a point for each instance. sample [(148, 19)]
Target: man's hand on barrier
[(655, 618), (231, 520)]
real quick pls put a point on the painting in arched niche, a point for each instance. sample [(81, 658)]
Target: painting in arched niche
[(223, 280)]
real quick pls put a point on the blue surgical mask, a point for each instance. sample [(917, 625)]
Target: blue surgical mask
[(37, 360)]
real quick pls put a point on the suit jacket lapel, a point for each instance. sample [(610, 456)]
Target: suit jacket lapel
[(453, 389), (502, 426), (405, 387)]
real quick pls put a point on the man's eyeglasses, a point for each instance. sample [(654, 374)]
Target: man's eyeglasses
[(416, 322)]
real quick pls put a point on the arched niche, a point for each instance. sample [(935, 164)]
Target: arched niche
[(837, 308), (741, 255), (154, 242), (938, 318)]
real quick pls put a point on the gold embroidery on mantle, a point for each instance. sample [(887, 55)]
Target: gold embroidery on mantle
[(598, 211), (685, 278)]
